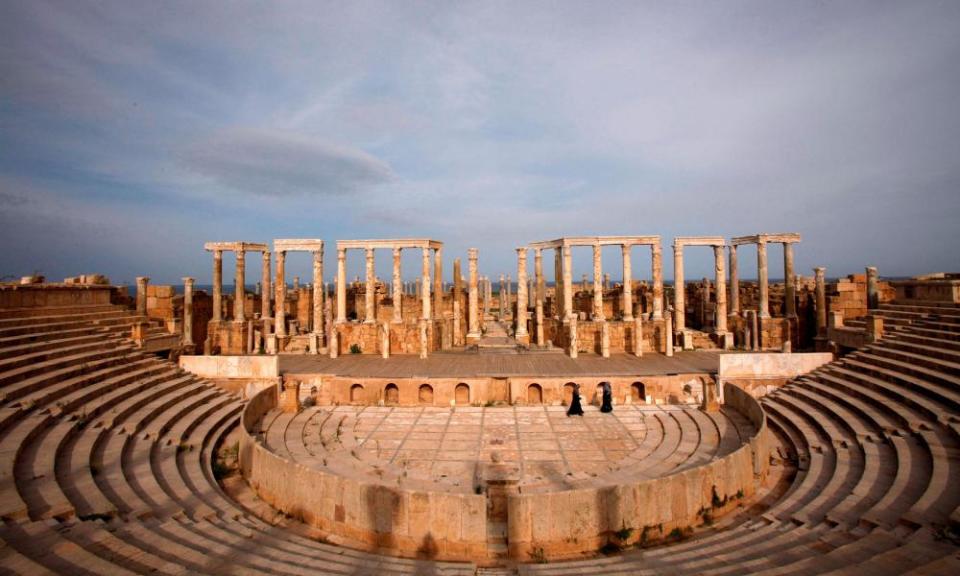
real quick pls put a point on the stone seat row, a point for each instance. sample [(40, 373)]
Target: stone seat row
[(110, 473), (876, 447)]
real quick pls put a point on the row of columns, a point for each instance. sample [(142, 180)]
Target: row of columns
[(239, 314), (370, 295), (763, 282)]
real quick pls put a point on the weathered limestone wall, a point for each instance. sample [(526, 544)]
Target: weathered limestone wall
[(621, 336), (247, 375), (523, 390), (581, 521), (931, 288), (43, 295), (760, 373), (404, 336), (849, 295), (441, 525)]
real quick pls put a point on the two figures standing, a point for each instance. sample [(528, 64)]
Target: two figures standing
[(576, 409)]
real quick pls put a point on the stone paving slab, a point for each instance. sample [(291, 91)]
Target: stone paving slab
[(467, 364)]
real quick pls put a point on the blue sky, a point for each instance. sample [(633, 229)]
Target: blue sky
[(130, 132)]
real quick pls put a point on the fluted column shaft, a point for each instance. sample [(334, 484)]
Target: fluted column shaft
[(188, 311), (369, 313), (425, 285), (473, 324), (656, 258), (438, 283), (720, 275), (762, 280), (627, 284), (521, 319), (217, 285), (280, 317), (397, 287), (567, 282), (679, 290), (790, 285), (239, 278), (265, 311), (341, 285), (318, 293)]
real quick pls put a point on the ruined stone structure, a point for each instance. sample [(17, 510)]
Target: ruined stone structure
[(404, 461)]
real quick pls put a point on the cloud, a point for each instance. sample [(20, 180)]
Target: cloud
[(274, 163)]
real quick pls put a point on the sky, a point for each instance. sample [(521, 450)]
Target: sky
[(133, 132)]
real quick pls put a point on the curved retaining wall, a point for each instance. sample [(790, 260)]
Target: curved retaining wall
[(581, 521), (407, 522), (550, 524)]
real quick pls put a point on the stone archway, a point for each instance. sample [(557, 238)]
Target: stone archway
[(568, 393), (638, 392), (425, 395), (462, 394), (534, 394), (391, 395), (356, 394)]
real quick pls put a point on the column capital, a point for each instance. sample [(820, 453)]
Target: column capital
[(187, 281), (143, 279)]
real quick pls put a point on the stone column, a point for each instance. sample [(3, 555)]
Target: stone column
[(521, 333), (425, 285), (538, 310), (606, 281), (318, 294), (762, 280), (558, 284), (142, 295), (397, 288), (280, 315), (457, 313), (657, 266), (502, 298), (217, 285), (265, 291), (789, 281), (755, 331), (873, 294), (721, 287), (385, 340), (539, 281), (574, 339), (668, 333), (605, 339), (638, 336), (239, 278), (296, 284), (734, 282), (821, 300), (627, 284), (567, 283), (369, 312), (438, 283), (424, 334), (473, 324), (679, 290), (341, 285), (187, 312)]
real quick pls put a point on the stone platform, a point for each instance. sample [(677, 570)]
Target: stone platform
[(466, 364)]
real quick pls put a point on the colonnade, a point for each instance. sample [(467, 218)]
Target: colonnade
[(240, 249), (281, 247), (761, 240), (679, 297)]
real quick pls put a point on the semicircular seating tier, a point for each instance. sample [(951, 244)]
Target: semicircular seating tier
[(108, 465)]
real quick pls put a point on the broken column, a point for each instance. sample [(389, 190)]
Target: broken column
[(605, 339), (638, 335), (668, 332), (873, 294), (142, 295), (821, 300), (473, 324), (187, 312)]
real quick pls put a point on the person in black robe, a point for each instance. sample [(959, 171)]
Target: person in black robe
[(575, 408), (607, 404)]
